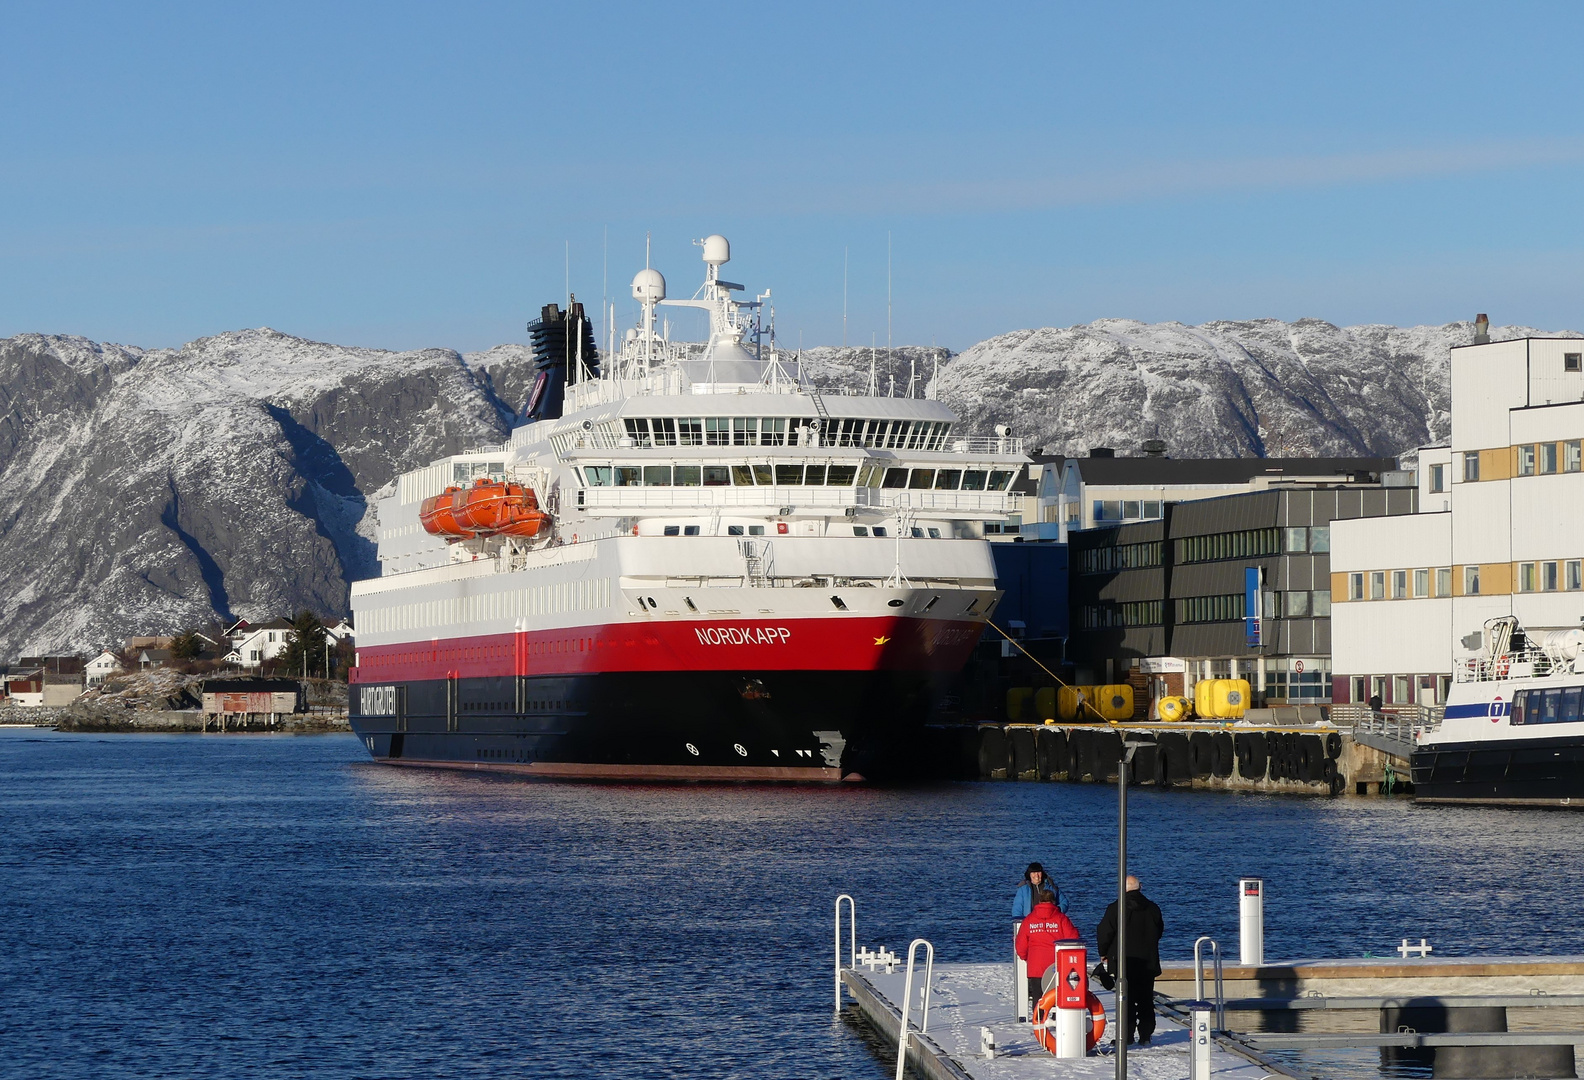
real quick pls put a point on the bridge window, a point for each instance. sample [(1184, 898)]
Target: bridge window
[(814, 476), (745, 431), (657, 476), (922, 479), (628, 475), (895, 478), (948, 479), (840, 475), (717, 476), (788, 475), (688, 475), (973, 480)]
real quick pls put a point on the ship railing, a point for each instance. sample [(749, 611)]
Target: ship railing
[(1529, 663), (1398, 722)]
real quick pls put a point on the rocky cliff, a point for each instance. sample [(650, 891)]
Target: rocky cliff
[(144, 491)]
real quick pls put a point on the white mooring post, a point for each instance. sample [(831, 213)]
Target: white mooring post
[(1199, 1030), (1251, 921)]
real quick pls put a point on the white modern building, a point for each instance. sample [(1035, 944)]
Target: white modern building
[(1500, 529)]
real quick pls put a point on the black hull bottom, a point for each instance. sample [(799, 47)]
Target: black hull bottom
[(1516, 772), (732, 726)]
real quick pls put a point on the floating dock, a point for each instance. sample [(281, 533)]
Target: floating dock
[(964, 998)]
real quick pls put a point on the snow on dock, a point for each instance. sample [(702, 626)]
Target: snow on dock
[(963, 998)]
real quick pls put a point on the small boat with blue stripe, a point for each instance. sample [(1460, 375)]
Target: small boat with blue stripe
[(1513, 731)]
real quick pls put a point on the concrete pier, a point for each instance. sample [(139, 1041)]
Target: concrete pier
[(963, 998), (1306, 759)]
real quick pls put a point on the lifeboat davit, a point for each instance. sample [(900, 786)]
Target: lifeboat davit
[(488, 508)]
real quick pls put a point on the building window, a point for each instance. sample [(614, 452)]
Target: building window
[(1526, 577), (1297, 539), (1320, 605), (1444, 581), (1421, 583), (1437, 479), (1548, 458), (1526, 460), (1399, 584), (1400, 695), (1548, 576), (1295, 605), (1107, 510), (1571, 361), (1152, 509), (1378, 585), (1355, 586), (1571, 456), (1471, 466), (1471, 581), (1320, 540), (1575, 574), (1360, 688)]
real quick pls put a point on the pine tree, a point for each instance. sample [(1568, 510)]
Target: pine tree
[(305, 646)]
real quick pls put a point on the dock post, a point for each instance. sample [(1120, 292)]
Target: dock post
[(1251, 922), (1199, 1030)]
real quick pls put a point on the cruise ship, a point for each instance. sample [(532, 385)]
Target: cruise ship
[(686, 563), (1513, 732)]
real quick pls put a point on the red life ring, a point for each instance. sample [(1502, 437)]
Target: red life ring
[(1047, 1004)]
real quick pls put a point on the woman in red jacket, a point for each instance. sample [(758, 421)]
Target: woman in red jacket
[(1038, 935)]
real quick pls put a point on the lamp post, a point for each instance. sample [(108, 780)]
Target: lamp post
[(1129, 748)]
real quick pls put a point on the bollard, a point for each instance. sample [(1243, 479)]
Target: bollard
[(986, 1042), (1251, 921), (1020, 994), (1070, 1016), (1199, 1032)]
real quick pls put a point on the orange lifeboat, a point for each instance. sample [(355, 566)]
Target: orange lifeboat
[(488, 508)]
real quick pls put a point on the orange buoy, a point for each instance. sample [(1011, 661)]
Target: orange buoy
[(1043, 1032), (488, 508)]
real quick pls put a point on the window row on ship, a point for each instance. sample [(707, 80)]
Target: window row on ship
[(779, 475), (783, 431), (650, 432)]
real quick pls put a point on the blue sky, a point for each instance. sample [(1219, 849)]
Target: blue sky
[(405, 175)]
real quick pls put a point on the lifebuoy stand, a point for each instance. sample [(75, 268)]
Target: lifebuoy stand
[(1070, 1016)]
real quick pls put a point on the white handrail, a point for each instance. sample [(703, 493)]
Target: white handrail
[(907, 999), (852, 941), (1220, 995)]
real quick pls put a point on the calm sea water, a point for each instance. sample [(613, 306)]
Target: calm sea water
[(265, 906)]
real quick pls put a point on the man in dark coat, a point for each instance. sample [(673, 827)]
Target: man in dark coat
[(1144, 929)]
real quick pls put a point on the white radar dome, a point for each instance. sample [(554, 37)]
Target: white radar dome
[(716, 250), (648, 286)]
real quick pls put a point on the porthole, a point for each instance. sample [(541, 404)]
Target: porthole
[(692, 749), (894, 603), (737, 746)]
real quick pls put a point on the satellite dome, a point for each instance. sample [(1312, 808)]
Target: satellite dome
[(648, 286), (716, 250)]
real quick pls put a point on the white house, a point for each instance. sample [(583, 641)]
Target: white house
[(102, 667)]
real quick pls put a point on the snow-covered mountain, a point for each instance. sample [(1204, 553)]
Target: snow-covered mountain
[(143, 491)]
